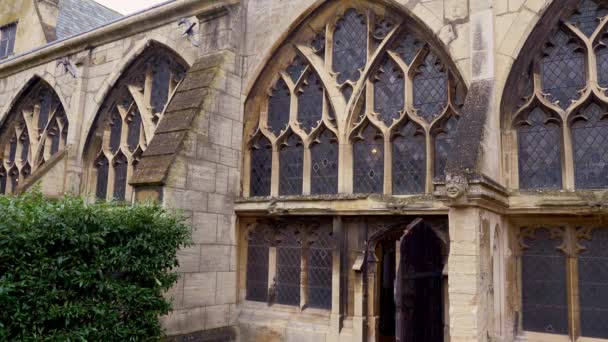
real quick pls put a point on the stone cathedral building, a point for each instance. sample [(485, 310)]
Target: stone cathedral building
[(353, 170)]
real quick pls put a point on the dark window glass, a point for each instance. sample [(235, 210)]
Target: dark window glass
[(408, 46), (587, 16), (389, 92), (7, 39), (296, 69), (563, 69), (261, 167), (165, 71), (430, 88), (26, 170), (544, 296), (134, 122), (2, 180), (46, 103), (14, 178), (409, 160), (310, 103), (291, 160), (589, 138), (12, 152), (540, 165), (101, 164), (121, 167), (25, 146), (368, 156), (593, 285), (443, 146), (115, 131), (324, 164), (278, 107), (288, 269), (319, 268), (350, 46), (55, 136), (257, 267)]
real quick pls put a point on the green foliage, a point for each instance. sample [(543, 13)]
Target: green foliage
[(76, 271)]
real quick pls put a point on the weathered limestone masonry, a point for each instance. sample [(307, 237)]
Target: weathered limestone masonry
[(263, 100)]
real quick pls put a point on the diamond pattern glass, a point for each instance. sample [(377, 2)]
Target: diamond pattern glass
[(291, 168), (278, 107), (320, 268), (540, 165), (368, 156), (257, 267), (408, 47), (310, 103), (593, 285), (318, 43), (430, 88), (296, 69), (589, 139), (261, 167), (409, 160), (12, 150), (383, 28), (544, 294), (350, 46), (389, 92), (102, 166), (602, 65), (134, 123), (324, 161), (588, 16), (563, 70), (289, 262), (443, 146), (121, 167)]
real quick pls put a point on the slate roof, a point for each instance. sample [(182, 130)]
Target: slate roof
[(78, 16)]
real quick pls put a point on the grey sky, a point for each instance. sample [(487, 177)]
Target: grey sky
[(129, 6)]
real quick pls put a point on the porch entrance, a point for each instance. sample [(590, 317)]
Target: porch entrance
[(411, 285)]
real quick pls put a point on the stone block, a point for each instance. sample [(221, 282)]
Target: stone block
[(185, 199), (226, 288), (165, 143), (221, 204), (189, 259), (226, 229), (199, 289), (221, 179), (204, 230), (202, 176), (217, 316), (220, 130), (456, 9), (215, 258)]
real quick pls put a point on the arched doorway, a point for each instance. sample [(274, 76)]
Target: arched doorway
[(409, 261)]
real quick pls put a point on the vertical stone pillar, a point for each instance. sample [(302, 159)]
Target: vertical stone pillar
[(335, 322)]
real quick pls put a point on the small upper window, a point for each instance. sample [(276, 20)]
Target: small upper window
[(7, 39)]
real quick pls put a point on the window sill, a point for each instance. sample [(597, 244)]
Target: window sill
[(528, 336), (310, 312)]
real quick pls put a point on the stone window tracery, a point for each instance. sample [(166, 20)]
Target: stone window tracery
[(357, 71), (36, 130), (127, 120), (558, 128)]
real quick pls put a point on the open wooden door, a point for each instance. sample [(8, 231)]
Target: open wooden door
[(418, 285)]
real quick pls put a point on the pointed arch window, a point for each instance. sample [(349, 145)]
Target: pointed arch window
[(362, 67), (128, 117), (589, 140), (291, 159), (409, 160), (261, 166), (27, 139)]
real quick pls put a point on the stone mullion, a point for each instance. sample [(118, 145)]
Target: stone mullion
[(304, 273), (388, 162), (430, 162), (337, 308), (307, 173), (246, 172), (274, 180), (272, 272), (572, 279), (111, 177), (568, 163)]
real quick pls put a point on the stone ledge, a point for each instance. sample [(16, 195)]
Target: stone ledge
[(226, 334)]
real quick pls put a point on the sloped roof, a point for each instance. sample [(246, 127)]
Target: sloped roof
[(77, 16)]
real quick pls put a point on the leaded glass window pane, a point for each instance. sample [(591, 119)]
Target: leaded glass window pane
[(134, 123), (55, 137), (121, 167), (588, 16), (563, 69), (261, 167), (26, 170), (350, 46), (2, 180), (115, 131), (14, 178), (389, 92), (590, 138), (320, 268), (288, 268), (602, 65), (408, 46), (257, 267), (102, 166), (291, 166), (544, 294), (593, 285), (324, 163), (430, 88), (278, 107), (540, 165), (409, 160), (25, 146), (166, 71), (46, 102), (12, 151), (444, 142), (310, 103), (296, 69), (368, 156)]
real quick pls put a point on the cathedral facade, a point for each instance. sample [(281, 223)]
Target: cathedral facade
[(353, 170)]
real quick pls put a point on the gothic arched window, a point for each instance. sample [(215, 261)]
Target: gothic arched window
[(291, 159), (36, 130), (261, 166), (560, 128), (128, 117), (333, 80)]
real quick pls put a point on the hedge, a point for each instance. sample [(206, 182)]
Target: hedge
[(75, 271)]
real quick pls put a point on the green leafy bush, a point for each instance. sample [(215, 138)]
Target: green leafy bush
[(74, 271)]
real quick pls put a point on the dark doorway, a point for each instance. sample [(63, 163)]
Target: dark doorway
[(419, 286), (387, 292)]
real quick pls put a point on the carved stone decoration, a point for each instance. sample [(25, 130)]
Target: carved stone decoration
[(456, 186), (35, 131), (353, 68), (127, 120)]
